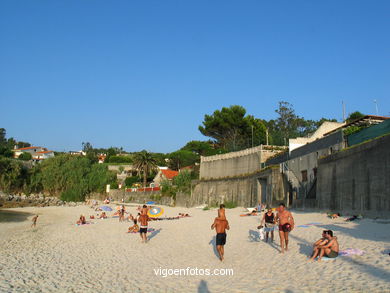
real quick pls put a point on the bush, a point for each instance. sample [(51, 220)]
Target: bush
[(129, 181), (230, 204), (25, 156), (13, 176), (119, 159)]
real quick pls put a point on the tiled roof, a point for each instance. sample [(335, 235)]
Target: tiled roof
[(28, 148), (169, 174), (44, 152)]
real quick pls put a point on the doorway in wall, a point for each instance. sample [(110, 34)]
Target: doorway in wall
[(262, 190)]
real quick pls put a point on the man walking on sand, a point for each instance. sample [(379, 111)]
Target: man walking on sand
[(221, 225), (143, 220), (286, 224)]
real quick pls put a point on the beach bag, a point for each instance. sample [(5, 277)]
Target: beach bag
[(262, 234)]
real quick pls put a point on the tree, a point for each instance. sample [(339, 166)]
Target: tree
[(232, 130), (354, 116), (2, 136), (144, 162), (287, 122), (182, 158)]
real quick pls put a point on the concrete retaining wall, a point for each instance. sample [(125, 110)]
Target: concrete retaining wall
[(356, 180)]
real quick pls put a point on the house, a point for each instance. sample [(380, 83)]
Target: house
[(37, 153), (164, 174)]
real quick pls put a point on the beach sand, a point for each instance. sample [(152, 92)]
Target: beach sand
[(58, 256)]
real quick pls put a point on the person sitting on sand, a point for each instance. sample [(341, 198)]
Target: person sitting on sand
[(334, 216), (106, 201), (92, 217), (130, 218), (103, 215), (330, 249), (320, 242), (34, 221), (81, 220), (134, 228)]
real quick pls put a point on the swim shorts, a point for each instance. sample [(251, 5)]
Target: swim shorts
[(332, 254), (143, 230), (221, 239)]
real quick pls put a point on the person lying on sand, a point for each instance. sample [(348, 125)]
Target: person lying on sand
[(134, 228), (34, 221), (81, 220), (330, 249), (182, 215), (334, 216)]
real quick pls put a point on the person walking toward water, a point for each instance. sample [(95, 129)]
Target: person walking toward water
[(143, 220), (286, 224), (221, 225), (34, 221)]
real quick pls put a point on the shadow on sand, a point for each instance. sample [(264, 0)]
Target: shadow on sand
[(13, 216), (202, 288), (254, 236), (213, 243), (154, 234)]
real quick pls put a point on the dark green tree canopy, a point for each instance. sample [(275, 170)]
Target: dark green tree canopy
[(231, 129)]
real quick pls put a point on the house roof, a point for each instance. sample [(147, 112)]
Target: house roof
[(44, 152), (365, 120), (28, 148), (169, 174)]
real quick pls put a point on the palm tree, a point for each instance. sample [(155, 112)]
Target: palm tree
[(145, 162)]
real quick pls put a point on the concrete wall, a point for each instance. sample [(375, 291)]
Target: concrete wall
[(268, 186), (234, 164), (356, 180)]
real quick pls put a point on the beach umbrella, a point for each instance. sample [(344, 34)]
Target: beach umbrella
[(155, 212), (151, 202), (106, 208)]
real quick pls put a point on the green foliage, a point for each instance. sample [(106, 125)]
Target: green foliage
[(206, 208), (118, 159), (352, 129), (6, 152), (183, 181), (202, 148), (182, 158), (230, 204), (13, 175), (25, 156), (354, 116), (129, 181), (144, 162), (232, 130), (167, 189), (71, 177)]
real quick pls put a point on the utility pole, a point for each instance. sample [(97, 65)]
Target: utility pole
[(343, 110), (376, 107), (266, 135), (252, 135)]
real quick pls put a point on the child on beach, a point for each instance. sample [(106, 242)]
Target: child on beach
[(34, 221)]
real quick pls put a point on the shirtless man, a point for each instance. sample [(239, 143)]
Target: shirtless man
[(221, 225), (320, 242), (34, 221), (143, 220), (286, 224), (330, 249)]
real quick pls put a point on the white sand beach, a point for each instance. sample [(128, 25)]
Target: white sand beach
[(58, 256)]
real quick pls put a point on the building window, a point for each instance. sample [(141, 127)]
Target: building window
[(304, 175)]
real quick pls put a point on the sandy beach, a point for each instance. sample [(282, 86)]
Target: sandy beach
[(58, 256)]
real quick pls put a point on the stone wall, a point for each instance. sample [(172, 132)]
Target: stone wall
[(356, 180), (235, 164), (267, 186)]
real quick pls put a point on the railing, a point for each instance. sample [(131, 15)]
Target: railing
[(146, 189)]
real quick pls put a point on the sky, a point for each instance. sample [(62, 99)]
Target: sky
[(142, 74)]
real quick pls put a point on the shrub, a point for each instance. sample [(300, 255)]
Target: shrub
[(230, 204), (25, 156)]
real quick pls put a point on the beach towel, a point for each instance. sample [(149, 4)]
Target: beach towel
[(250, 215), (308, 225), (351, 251)]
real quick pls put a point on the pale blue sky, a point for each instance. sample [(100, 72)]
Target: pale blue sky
[(142, 74)]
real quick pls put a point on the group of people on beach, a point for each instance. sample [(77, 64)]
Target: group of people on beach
[(284, 220)]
